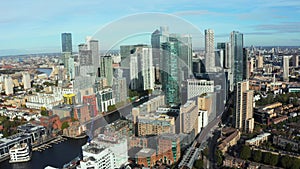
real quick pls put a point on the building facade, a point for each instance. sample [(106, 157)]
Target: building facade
[(243, 105)]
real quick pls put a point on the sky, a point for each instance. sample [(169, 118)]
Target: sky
[(35, 26)]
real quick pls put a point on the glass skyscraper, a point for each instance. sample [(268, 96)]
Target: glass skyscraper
[(171, 72), (237, 44), (66, 42)]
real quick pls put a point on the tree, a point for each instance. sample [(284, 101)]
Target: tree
[(245, 152), (256, 156), (198, 164), (44, 111), (64, 125), (270, 158), (111, 108), (286, 162), (296, 163), (219, 157)]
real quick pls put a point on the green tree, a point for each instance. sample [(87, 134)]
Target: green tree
[(198, 164), (296, 163), (44, 111), (245, 152), (270, 159), (111, 108), (64, 125), (256, 156), (219, 157), (286, 162)]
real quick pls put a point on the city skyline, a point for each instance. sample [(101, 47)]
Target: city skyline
[(36, 27)]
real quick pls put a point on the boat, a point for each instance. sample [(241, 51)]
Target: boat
[(20, 153)]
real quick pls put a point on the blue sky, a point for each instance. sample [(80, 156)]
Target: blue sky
[(35, 26)]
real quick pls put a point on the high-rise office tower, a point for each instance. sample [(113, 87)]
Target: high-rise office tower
[(243, 106), (237, 59), (106, 69), (161, 36), (93, 45), (9, 85), (245, 64), (286, 67), (85, 55), (141, 68), (66, 42), (157, 38), (171, 74), (209, 50), (85, 61), (222, 47), (295, 60), (26, 80)]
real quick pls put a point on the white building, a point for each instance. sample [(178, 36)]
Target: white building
[(197, 87), (258, 139), (9, 85), (19, 153), (26, 80), (202, 119), (141, 68), (117, 145), (209, 51), (97, 157), (286, 60), (104, 99), (47, 100)]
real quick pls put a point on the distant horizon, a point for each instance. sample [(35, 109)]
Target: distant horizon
[(76, 52)]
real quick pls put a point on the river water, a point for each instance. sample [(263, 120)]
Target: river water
[(56, 156), (64, 152), (45, 70)]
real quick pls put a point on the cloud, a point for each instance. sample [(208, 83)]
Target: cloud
[(258, 33), (284, 27)]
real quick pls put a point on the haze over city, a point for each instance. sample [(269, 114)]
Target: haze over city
[(33, 26)]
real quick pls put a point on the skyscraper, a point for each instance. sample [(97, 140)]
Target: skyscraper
[(157, 38), (9, 85), (237, 59), (171, 73), (141, 68), (66, 42), (161, 36), (209, 51), (286, 67), (243, 106), (93, 45), (26, 80), (106, 69)]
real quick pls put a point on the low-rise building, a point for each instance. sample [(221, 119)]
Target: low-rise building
[(97, 156), (230, 138), (256, 141), (283, 142), (155, 124), (146, 157)]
